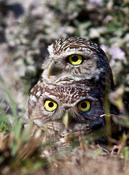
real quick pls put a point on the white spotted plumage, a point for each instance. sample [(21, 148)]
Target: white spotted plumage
[(68, 85)]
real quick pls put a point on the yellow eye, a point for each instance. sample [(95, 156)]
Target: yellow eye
[(75, 59), (84, 106), (50, 105)]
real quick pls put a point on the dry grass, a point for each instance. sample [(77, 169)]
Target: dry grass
[(93, 160)]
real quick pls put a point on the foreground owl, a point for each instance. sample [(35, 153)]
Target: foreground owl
[(60, 108), (74, 60)]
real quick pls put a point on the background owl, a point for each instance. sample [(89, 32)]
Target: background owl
[(74, 60)]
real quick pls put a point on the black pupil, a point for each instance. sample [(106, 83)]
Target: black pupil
[(83, 105), (74, 58), (50, 105)]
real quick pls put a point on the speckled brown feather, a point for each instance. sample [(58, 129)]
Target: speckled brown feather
[(67, 85)]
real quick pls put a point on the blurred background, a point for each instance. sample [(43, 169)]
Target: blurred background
[(27, 27)]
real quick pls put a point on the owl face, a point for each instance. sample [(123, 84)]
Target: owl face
[(75, 59), (64, 107)]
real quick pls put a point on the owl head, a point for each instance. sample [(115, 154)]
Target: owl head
[(60, 108), (75, 59)]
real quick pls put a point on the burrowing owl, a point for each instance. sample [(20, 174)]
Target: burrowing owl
[(72, 89), (72, 108), (74, 60)]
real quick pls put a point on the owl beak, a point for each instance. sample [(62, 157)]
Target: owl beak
[(66, 119), (54, 70)]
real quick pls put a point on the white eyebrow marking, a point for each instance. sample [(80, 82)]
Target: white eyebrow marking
[(38, 93), (33, 98)]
